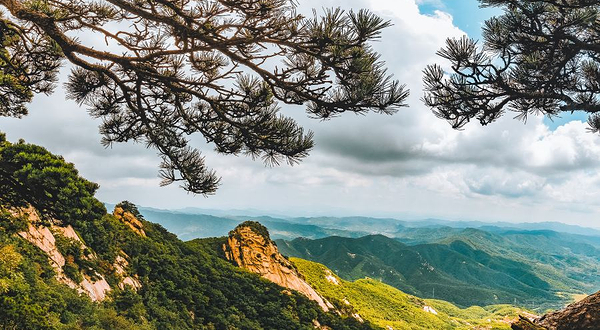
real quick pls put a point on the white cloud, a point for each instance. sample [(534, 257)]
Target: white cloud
[(410, 164)]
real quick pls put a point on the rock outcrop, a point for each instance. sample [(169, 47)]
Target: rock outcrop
[(526, 324), (130, 220), (582, 315), (249, 246), (121, 264), (45, 236)]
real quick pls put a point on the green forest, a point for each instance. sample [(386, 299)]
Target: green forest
[(378, 164), (184, 285)]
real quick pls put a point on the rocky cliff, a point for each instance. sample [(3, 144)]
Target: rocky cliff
[(582, 315), (249, 246), (45, 237)]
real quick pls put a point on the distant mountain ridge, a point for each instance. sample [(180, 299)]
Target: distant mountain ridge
[(472, 267), (455, 273), (345, 226), (492, 226), (536, 268), (190, 226)]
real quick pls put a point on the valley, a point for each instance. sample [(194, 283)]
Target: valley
[(537, 269)]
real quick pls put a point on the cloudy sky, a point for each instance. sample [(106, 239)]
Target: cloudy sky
[(410, 165)]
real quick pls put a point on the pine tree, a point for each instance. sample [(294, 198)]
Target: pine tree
[(538, 57), (174, 68)]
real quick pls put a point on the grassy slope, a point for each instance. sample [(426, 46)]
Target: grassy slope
[(387, 306)]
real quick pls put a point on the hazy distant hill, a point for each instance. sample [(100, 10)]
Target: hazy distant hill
[(568, 262), (192, 223), (191, 226), (466, 268)]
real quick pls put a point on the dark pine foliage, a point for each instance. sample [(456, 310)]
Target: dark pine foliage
[(218, 68), (128, 206), (256, 227), (30, 175), (538, 57)]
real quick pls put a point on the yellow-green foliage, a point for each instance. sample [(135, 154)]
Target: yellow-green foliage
[(9, 262), (387, 306)]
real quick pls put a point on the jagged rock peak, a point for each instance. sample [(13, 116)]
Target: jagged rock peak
[(249, 246), (127, 217), (582, 315)]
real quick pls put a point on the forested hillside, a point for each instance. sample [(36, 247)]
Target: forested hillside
[(182, 285), (389, 307), (469, 268)]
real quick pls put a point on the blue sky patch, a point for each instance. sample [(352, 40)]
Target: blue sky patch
[(555, 122), (466, 13)]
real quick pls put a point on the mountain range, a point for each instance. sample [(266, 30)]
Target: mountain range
[(66, 263), (538, 269), (193, 223)]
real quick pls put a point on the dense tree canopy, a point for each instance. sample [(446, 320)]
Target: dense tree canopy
[(184, 285), (538, 57), (30, 175), (168, 69)]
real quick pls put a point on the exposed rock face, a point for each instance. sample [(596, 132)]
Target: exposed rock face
[(129, 219), (525, 324), (43, 237), (250, 247), (120, 266), (582, 315)]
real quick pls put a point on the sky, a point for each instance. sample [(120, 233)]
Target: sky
[(410, 165)]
